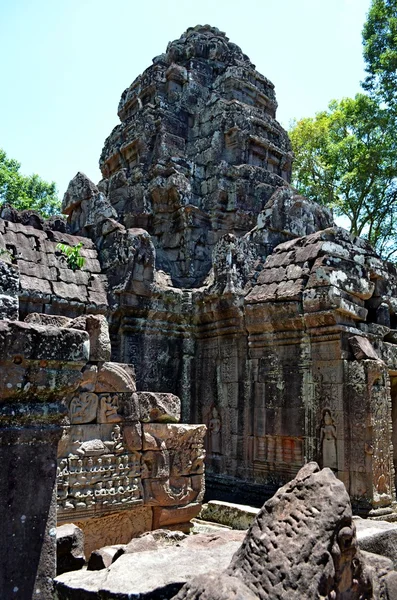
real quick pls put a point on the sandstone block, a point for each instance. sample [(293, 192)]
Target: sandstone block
[(163, 517), (362, 348), (35, 342), (98, 330), (35, 285), (169, 569), (116, 528), (237, 516), (70, 291), (70, 548), (158, 407), (47, 320), (378, 537), (104, 557)]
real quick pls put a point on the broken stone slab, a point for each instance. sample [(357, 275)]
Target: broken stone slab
[(237, 516), (362, 348), (151, 574), (200, 526), (98, 330), (378, 537), (104, 557), (70, 548), (159, 407), (36, 342)]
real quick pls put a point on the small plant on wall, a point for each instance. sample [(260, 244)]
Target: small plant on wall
[(72, 254)]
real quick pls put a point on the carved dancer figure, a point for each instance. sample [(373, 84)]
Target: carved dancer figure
[(214, 427), (328, 441)]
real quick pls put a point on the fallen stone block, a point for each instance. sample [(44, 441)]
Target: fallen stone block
[(70, 548), (237, 516), (104, 557), (378, 537), (150, 574)]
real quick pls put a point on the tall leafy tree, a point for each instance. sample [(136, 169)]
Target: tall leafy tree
[(380, 50), (25, 192), (345, 158)]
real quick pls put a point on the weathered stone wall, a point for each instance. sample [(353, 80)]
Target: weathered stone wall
[(227, 288), (78, 442), (47, 285)]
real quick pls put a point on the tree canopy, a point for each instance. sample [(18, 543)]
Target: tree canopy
[(25, 192), (345, 158), (380, 50)]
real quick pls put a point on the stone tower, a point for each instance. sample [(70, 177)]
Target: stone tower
[(198, 152)]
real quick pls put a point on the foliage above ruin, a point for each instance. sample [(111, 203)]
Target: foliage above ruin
[(26, 191), (346, 156), (345, 159), (380, 50)]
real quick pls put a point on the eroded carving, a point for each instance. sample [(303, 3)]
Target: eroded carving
[(83, 408), (328, 441)]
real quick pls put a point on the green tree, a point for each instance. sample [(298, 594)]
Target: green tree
[(345, 158), (380, 50), (25, 192)]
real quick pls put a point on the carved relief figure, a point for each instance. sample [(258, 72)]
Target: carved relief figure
[(83, 408), (108, 406), (214, 427), (116, 443), (328, 441)]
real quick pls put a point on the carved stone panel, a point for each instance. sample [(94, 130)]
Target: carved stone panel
[(96, 472)]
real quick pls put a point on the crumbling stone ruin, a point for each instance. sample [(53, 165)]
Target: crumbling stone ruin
[(78, 442), (226, 288), (206, 278), (301, 545)]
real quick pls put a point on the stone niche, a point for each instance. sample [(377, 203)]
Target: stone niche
[(276, 328)]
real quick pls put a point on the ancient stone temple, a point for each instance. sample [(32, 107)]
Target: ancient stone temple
[(208, 279), (276, 328)]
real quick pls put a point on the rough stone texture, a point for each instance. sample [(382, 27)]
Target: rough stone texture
[(70, 548), (9, 288), (237, 516), (115, 527), (98, 330), (170, 566), (104, 557), (216, 587), (159, 408), (46, 283), (228, 289), (39, 367), (302, 544), (378, 537)]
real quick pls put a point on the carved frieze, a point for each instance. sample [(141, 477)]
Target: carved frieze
[(91, 484)]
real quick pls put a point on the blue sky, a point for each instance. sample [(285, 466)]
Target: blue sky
[(65, 64)]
